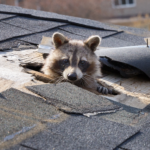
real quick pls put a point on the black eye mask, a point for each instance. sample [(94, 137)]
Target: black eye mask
[(83, 65), (64, 63)]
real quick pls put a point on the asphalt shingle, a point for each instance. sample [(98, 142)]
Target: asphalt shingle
[(5, 16), (36, 38), (141, 141), (20, 111), (8, 31), (32, 24), (87, 31), (136, 40), (114, 42), (82, 133), (54, 16), (72, 99)]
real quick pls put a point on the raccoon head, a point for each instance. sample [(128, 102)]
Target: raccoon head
[(73, 59)]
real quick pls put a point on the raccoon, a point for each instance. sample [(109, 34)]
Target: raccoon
[(74, 61)]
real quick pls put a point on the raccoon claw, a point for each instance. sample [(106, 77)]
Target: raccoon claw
[(104, 90)]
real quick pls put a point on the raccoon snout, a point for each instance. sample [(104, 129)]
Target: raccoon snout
[(72, 76)]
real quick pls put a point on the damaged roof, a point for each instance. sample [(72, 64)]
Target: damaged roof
[(64, 116)]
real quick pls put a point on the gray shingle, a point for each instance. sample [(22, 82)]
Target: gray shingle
[(136, 40), (20, 110), (54, 16), (83, 134), (88, 23), (114, 42), (72, 99), (13, 9), (87, 31), (32, 24), (141, 141), (36, 38), (5, 16), (9, 31)]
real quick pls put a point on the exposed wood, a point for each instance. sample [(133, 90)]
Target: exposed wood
[(135, 91)]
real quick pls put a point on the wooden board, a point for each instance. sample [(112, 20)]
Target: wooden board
[(135, 91)]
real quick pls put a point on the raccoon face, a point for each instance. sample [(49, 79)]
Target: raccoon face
[(75, 68), (72, 59)]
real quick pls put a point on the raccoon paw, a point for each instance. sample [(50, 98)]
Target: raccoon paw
[(103, 90)]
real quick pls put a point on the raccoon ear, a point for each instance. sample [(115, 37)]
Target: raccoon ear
[(59, 39), (92, 42)]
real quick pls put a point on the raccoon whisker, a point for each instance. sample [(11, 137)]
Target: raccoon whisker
[(85, 80), (88, 79), (58, 71), (81, 82), (59, 80), (55, 79)]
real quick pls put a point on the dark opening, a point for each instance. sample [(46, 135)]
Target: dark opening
[(131, 2), (33, 66)]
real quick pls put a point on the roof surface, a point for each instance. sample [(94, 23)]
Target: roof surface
[(59, 118)]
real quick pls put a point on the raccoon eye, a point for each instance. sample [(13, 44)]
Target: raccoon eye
[(82, 62), (65, 61)]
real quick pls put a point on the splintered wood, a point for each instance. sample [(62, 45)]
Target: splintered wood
[(13, 72), (135, 91), (34, 58)]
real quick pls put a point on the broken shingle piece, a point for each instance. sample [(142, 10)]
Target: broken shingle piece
[(78, 132), (32, 24), (72, 99)]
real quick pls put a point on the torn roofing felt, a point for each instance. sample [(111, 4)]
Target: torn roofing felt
[(72, 99), (79, 132), (138, 57)]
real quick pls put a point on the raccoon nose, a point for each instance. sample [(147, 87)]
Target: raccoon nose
[(72, 76)]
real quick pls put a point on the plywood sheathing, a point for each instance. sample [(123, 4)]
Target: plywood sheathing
[(135, 91)]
